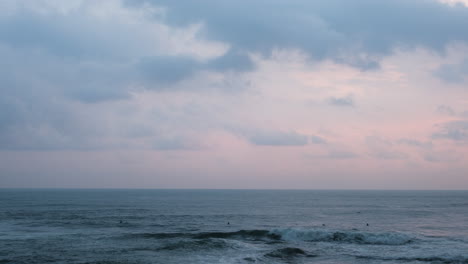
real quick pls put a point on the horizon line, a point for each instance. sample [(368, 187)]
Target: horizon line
[(222, 189)]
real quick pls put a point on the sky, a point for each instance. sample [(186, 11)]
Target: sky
[(297, 94)]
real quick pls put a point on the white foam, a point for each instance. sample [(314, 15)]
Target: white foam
[(357, 237)]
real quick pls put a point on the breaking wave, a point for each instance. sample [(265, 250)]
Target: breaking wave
[(309, 235), (355, 237), (430, 259)]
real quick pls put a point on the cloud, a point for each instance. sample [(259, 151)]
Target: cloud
[(453, 130), (75, 35), (445, 110), (382, 148), (341, 155), (317, 140), (166, 70), (415, 143), (174, 143), (232, 61), (359, 36), (101, 51), (159, 72), (62, 61), (278, 138), (335, 154), (455, 2), (453, 73), (442, 156), (341, 101)]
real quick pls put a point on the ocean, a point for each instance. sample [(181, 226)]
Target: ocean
[(232, 226)]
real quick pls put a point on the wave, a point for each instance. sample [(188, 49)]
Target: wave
[(458, 205), (157, 235), (278, 235), (241, 234), (354, 237), (196, 245), (289, 252), (431, 259), (455, 260)]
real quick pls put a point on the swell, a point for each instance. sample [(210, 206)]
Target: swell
[(289, 252), (195, 245), (353, 237), (430, 259), (278, 235), (241, 234)]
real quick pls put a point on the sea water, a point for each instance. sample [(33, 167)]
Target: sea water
[(233, 226)]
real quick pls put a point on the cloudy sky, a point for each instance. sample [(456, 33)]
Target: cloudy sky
[(334, 94)]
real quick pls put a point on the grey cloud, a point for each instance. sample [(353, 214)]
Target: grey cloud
[(48, 126), (139, 130), (33, 76), (364, 27), (161, 71), (335, 155), (81, 67), (378, 142), (317, 140), (51, 61), (384, 154), (174, 143), (167, 69), (364, 63), (93, 59), (440, 157), (453, 73), (75, 36), (342, 155), (277, 138), (453, 130), (41, 104), (232, 60), (29, 30), (415, 143), (96, 92), (445, 110), (382, 148), (367, 31), (94, 84), (82, 41), (341, 101)]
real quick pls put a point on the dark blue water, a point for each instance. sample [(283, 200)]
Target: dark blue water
[(191, 226)]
